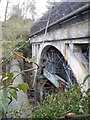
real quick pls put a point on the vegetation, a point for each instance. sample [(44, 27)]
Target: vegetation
[(7, 91), (55, 105), (25, 111), (15, 31), (16, 26), (58, 105)]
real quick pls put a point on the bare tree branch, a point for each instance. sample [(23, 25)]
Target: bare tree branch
[(6, 10)]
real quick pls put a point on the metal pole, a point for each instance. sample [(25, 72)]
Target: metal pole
[(47, 24)]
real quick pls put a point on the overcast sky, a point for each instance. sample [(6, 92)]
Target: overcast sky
[(40, 6)]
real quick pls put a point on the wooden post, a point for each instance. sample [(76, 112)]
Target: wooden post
[(41, 89)]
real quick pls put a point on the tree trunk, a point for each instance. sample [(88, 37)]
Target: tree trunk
[(6, 10)]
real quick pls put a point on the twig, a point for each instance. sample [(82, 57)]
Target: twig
[(31, 69), (26, 58), (10, 98)]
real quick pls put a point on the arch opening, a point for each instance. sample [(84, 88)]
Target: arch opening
[(55, 75), (54, 62)]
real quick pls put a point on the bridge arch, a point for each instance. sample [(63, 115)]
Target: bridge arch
[(60, 46), (53, 60)]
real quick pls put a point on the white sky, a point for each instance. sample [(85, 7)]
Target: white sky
[(40, 6)]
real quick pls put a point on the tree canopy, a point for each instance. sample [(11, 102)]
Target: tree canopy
[(16, 28)]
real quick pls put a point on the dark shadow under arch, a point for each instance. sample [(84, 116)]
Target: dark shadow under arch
[(54, 62)]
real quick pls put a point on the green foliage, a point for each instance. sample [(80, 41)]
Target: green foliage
[(85, 79), (25, 111), (3, 100), (24, 47), (7, 89), (58, 105), (24, 87), (53, 106), (13, 92), (15, 30), (10, 78)]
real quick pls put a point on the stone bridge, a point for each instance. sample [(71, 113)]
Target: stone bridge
[(60, 42)]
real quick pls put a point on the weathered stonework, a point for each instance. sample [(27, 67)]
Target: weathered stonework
[(71, 38)]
